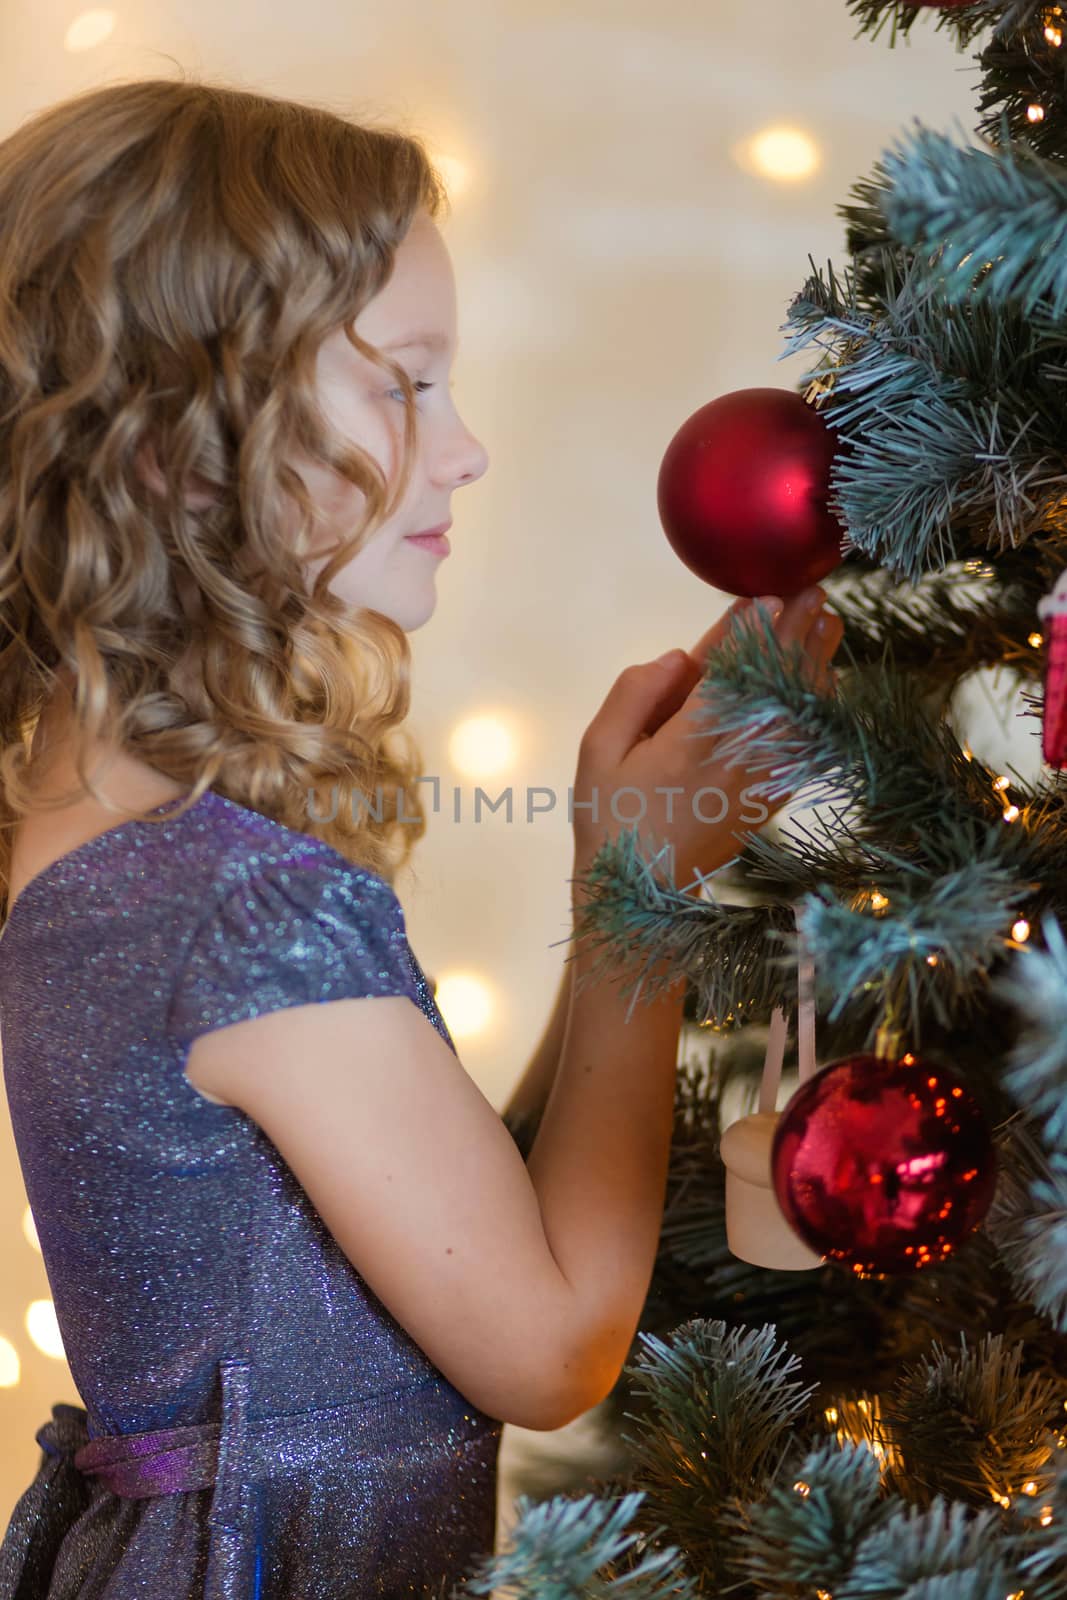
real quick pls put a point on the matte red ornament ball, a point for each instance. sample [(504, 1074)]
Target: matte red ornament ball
[(742, 493), (883, 1167)]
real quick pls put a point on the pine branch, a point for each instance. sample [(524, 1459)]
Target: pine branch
[(805, 856), (724, 1403), (950, 623), (957, 918), (803, 1537), (1028, 1219), (629, 910), (965, 24), (1023, 66), (971, 1425), (873, 743), (916, 1548), (955, 877), (948, 416), (1031, 1216), (557, 1550), (1037, 1070), (1041, 1549), (1000, 214)]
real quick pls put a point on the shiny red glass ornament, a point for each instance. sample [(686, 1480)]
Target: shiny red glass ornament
[(883, 1167), (742, 493)]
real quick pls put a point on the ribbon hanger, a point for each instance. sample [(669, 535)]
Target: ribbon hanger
[(772, 1061)]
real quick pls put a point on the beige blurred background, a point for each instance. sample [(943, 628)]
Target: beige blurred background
[(636, 189)]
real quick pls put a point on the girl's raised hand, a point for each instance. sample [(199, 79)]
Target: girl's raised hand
[(645, 740)]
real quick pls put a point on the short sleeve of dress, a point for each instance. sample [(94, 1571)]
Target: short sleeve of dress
[(292, 934)]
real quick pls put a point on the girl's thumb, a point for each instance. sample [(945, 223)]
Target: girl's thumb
[(639, 701)]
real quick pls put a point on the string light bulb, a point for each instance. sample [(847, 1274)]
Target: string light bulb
[(1035, 113), (1036, 639), (1020, 931)]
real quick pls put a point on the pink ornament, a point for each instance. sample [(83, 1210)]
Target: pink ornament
[(1054, 723)]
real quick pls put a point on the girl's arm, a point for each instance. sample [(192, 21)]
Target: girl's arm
[(600, 1156), (530, 1095)]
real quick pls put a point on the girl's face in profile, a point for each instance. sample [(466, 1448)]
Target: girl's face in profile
[(413, 321)]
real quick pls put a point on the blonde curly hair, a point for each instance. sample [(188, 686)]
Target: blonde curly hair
[(172, 254)]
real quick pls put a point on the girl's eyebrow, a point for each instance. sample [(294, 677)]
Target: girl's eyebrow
[(431, 341)]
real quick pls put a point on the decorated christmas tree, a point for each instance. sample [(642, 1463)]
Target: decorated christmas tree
[(863, 1391)]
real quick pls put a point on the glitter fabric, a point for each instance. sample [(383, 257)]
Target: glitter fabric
[(256, 1424)]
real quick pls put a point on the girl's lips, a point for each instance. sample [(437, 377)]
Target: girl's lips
[(436, 543)]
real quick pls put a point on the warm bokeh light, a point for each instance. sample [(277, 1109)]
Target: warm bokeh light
[(482, 746), (456, 173), (89, 29), (29, 1229), (466, 1003), (10, 1367), (783, 153), (43, 1329)]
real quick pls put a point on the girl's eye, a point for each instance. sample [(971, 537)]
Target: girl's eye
[(419, 386)]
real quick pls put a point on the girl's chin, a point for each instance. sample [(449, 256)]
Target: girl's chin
[(415, 608), (414, 614)]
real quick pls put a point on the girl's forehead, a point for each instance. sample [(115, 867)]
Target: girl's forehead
[(419, 298)]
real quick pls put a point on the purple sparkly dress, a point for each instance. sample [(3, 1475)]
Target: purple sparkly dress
[(256, 1424)]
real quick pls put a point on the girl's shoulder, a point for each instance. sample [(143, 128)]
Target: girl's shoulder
[(183, 868)]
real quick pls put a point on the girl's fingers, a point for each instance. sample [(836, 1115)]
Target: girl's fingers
[(795, 623), (823, 638), (716, 633)]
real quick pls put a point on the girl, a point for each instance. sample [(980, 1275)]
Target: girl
[(301, 1271)]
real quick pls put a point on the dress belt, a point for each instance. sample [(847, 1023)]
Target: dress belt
[(230, 1455)]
